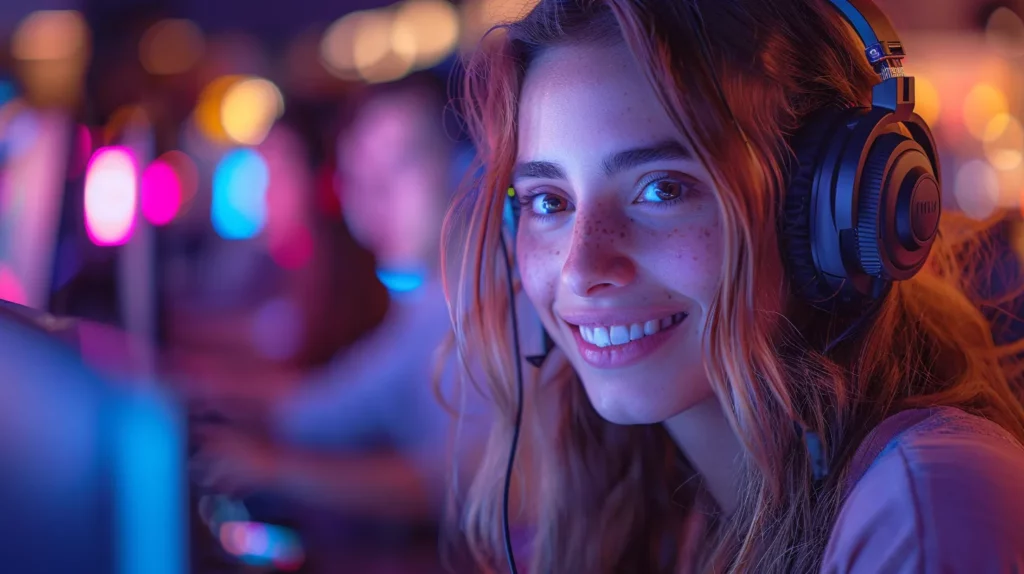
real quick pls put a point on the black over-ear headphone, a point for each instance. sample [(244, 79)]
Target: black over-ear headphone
[(864, 198)]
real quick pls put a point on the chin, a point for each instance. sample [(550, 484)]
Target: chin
[(639, 403)]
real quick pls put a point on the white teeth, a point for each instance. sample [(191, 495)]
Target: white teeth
[(622, 334), (619, 334), (652, 327)]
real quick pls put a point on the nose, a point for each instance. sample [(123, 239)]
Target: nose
[(596, 264)]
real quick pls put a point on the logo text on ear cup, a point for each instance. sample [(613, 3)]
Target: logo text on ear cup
[(926, 207)]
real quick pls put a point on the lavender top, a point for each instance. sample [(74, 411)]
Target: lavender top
[(939, 490), (931, 491)]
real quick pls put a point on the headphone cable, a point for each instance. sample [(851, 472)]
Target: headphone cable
[(509, 553)]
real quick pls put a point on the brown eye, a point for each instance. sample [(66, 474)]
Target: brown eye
[(662, 190), (547, 204)]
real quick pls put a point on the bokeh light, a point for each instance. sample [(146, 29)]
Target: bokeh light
[(249, 109), (425, 31), (233, 538), (373, 39), (372, 52), (361, 45), (51, 49), (209, 108), (1011, 182), (257, 542), (187, 175), (1004, 142), (50, 35), (240, 182), (927, 103), (1004, 31), (171, 47), (400, 281), (976, 189), (479, 16), (261, 544), (983, 103), (11, 288), (111, 196), (337, 46), (160, 193)]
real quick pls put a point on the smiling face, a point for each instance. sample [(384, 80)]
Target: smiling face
[(619, 242)]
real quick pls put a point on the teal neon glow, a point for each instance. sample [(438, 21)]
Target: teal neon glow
[(401, 281), (150, 485)]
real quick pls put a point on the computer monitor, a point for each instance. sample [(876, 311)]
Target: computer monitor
[(92, 474), (34, 151)]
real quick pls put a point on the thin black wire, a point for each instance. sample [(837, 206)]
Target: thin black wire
[(862, 320), (519, 409)]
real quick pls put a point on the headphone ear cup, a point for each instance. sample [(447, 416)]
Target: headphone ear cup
[(809, 146)]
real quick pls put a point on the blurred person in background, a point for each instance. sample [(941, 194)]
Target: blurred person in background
[(367, 436)]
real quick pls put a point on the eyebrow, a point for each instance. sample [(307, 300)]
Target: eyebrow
[(616, 163)]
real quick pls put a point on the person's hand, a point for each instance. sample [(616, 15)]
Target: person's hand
[(216, 390), (251, 415), (233, 463)]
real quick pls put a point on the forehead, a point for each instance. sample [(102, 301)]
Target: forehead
[(588, 98), (389, 120), (388, 125)]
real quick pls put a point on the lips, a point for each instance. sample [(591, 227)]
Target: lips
[(617, 345)]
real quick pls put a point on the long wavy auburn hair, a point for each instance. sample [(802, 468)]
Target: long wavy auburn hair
[(609, 498)]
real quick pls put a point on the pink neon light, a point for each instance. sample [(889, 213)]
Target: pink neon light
[(10, 287), (111, 196), (161, 193)]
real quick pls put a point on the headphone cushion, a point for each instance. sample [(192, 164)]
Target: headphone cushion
[(809, 145)]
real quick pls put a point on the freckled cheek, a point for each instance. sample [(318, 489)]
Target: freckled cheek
[(540, 264), (688, 258)]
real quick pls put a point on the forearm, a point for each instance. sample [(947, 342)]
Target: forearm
[(379, 485)]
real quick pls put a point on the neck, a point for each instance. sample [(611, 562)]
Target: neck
[(705, 436), (425, 261)]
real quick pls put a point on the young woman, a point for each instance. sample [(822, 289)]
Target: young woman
[(704, 410)]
